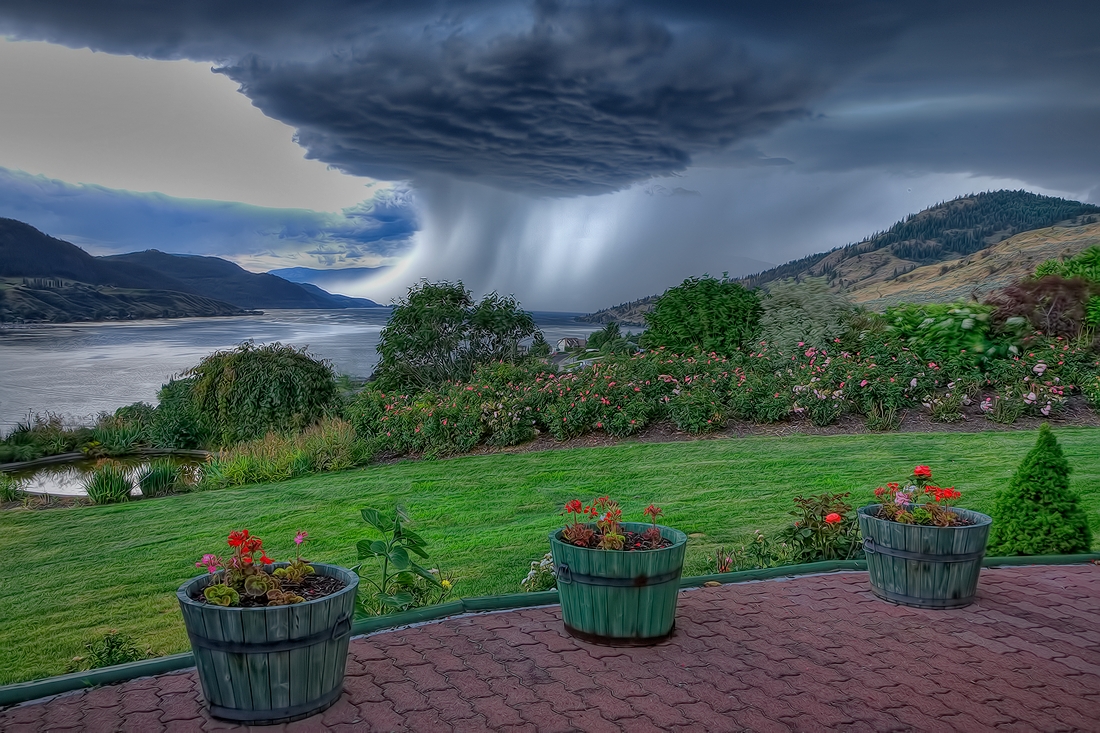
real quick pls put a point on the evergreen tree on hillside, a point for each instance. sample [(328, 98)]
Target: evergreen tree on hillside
[(1038, 514)]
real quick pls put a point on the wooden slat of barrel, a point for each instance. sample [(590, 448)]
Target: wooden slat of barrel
[(222, 693), (278, 627), (254, 627), (300, 672)]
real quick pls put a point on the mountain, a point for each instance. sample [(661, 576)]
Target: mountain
[(214, 277), (327, 278), (43, 278), (627, 314), (981, 273), (66, 301), (947, 231), (1013, 230)]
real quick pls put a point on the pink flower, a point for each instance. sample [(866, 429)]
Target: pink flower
[(300, 538), (863, 383)]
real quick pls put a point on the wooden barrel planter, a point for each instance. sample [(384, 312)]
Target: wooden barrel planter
[(271, 665), (924, 567), (619, 598)]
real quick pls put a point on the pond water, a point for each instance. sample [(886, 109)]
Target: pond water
[(67, 479), (80, 369)]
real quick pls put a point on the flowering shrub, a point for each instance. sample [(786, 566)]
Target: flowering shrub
[(903, 503), (825, 528), (541, 576), (243, 580), (601, 527)]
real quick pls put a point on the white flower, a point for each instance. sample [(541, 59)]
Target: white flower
[(913, 383), (1045, 409), (1039, 368)]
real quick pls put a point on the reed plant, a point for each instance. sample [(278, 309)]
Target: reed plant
[(11, 488), (108, 483), (159, 478)]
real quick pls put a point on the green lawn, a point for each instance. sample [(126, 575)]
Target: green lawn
[(72, 573)]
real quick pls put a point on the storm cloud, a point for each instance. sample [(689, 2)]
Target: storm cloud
[(555, 146)]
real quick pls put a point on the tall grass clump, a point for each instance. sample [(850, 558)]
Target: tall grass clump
[(108, 483), (330, 445), (159, 478), (11, 488)]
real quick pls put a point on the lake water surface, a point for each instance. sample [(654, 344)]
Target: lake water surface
[(80, 369)]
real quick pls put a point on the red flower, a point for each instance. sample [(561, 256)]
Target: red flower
[(265, 559), (832, 518), (922, 472), (573, 507), (236, 539), (652, 511)]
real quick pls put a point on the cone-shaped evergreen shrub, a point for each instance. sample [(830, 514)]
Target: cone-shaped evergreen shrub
[(1038, 514)]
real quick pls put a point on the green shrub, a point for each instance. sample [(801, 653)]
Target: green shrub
[(177, 421), (939, 331), (698, 409), (704, 315), (438, 334), (108, 650), (109, 482), (247, 392), (160, 478), (804, 313), (1037, 514)]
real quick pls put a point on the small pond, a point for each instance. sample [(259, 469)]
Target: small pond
[(67, 479)]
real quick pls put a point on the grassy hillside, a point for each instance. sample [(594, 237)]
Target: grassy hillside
[(981, 273), (952, 234), (948, 231), (63, 301), (82, 571)]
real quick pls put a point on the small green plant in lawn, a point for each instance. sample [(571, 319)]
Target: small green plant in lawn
[(11, 488), (113, 647), (109, 482), (541, 576), (393, 588), (1037, 514), (160, 478), (825, 528)]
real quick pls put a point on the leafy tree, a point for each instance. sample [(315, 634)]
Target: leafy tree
[(704, 314), (1038, 514), (247, 392), (437, 333), (808, 312), (606, 335)]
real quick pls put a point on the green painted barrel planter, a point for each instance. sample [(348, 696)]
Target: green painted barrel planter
[(271, 665), (619, 598), (924, 567)]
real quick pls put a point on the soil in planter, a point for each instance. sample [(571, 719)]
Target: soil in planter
[(960, 521), (311, 588), (634, 541)]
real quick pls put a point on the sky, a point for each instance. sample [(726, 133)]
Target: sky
[(575, 154)]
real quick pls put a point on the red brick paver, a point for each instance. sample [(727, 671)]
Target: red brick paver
[(805, 654)]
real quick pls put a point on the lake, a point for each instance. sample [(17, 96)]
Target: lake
[(81, 369)]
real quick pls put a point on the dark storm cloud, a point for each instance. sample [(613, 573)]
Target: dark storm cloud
[(547, 98), (111, 221), (591, 97)]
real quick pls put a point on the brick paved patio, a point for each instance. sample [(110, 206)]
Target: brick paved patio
[(811, 653)]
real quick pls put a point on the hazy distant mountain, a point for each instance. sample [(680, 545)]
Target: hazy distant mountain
[(47, 279), (327, 278), (214, 277), (949, 236)]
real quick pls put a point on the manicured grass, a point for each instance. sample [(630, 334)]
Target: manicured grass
[(73, 573)]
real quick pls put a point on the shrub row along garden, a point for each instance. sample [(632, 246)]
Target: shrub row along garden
[(451, 376)]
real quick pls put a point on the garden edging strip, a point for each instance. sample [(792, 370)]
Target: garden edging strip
[(21, 692)]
